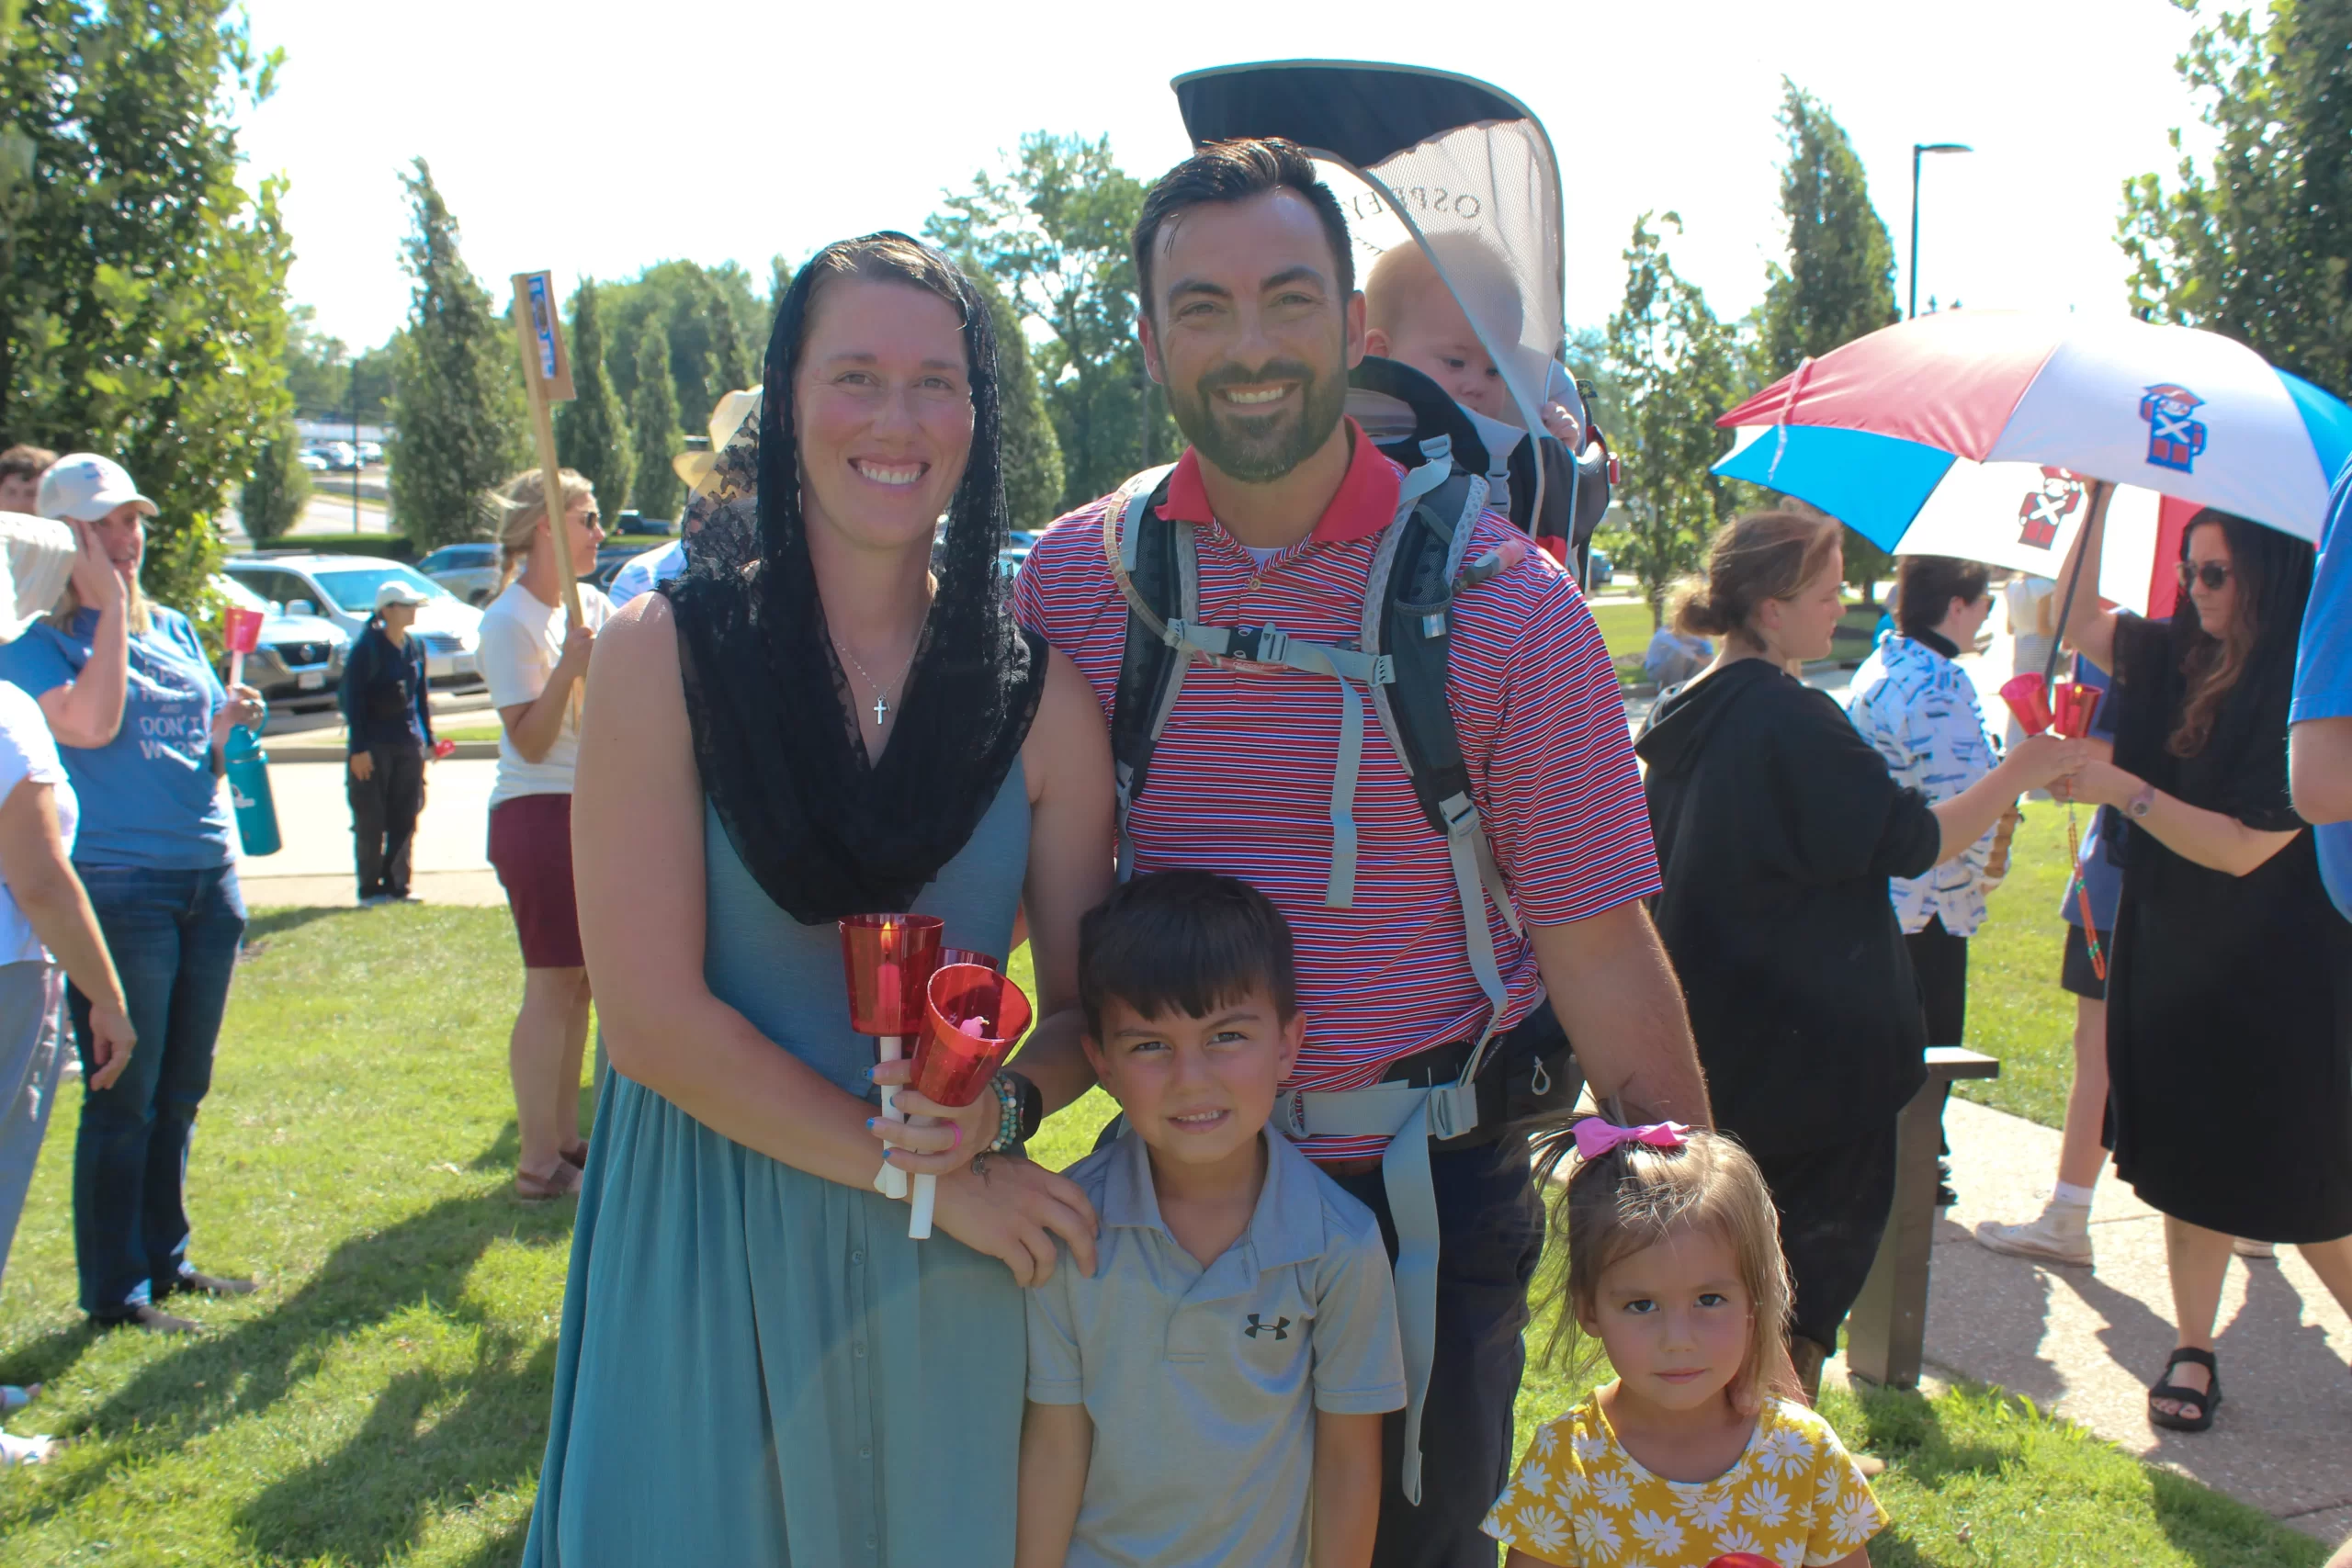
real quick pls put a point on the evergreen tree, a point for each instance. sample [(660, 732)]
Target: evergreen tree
[(1840, 282), (730, 362), (1674, 367), (1033, 458), (653, 417), (590, 432), (143, 280), (2261, 248), (278, 490), (457, 384)]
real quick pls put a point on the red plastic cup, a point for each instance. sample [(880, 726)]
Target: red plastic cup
[(240, 629), (887, 961), (2028, 699), (952, 1065), (988, 961), (2073, 707), (443, 749)]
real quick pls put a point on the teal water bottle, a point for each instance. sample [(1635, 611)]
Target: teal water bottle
[(248, 770)]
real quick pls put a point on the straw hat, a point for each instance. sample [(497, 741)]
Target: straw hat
[(726, 419)]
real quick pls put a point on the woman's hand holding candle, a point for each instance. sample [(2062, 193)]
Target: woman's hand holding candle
[(944, 1137)]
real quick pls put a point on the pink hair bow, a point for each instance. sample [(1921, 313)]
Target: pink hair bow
[(1596, 1137)]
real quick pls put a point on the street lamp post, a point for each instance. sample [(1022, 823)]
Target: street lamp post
[(1919, 149)]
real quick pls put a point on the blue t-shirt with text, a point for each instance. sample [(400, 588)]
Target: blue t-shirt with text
[(149, 797), (2324, 670)]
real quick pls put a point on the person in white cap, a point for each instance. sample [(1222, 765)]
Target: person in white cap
[(140, 719), (390, 725), (45, 917)]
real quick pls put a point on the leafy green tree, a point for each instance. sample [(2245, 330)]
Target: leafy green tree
[(457, 384), (278, 490), (1839, 281), (1033, 458), (653, 417), (684, 299), (590, 433), (1052, 230), (1675, 367), (143, 287), (322, 372), (2259, 248)]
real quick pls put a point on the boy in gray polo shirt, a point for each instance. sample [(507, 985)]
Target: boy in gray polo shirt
[(1212, 1396)]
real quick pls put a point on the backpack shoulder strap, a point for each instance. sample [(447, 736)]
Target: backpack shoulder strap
[(1151, 560)]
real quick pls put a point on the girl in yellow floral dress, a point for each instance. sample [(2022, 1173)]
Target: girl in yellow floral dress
[(1674, 1269)]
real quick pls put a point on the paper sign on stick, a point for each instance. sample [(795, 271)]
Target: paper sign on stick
[(534, 295)]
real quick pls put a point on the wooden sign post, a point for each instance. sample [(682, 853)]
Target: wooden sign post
[(547, 379)]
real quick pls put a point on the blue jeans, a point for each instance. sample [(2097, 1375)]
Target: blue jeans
[(174, 936)]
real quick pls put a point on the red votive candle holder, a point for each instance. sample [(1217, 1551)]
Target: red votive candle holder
[(2028, 699), (988, 961), (1742, 1559), (2074, 705), (952, 1064), (887, 961)]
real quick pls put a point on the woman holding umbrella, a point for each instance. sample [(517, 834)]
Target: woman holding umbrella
[(2224, 933), (756, 1365)]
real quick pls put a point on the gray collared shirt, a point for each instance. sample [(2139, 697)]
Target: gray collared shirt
[(1201, 1383)]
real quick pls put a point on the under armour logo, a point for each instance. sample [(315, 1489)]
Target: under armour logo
[(1279, 1328)]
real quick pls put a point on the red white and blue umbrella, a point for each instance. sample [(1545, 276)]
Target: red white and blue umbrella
[(1896, 429)]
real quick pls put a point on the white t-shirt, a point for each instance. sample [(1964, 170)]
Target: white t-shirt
[(521, 640), (28, 751)]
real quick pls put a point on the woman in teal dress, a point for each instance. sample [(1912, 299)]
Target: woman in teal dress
[(756, 1365)]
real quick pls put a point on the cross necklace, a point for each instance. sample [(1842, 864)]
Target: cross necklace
[(881, 693)]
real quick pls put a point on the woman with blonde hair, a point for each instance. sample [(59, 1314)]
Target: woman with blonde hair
[(1778, 829), (533, 659), (139, 719)]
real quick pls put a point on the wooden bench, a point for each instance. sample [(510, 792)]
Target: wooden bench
[(1886, 1333)]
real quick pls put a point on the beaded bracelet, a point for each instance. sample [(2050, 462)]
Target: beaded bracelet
[(1007, 1118)]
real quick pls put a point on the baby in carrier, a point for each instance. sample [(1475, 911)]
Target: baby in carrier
[(1413, 319)]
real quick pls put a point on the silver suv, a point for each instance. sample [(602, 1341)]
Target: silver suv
[(342, 588)]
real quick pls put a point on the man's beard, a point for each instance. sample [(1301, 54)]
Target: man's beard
[(1258, 449)]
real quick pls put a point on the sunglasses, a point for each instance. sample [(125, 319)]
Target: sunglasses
[(2214, 574)]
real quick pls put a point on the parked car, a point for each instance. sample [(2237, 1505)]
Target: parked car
[(632, 524), (468, 571), (1597, 572), (371, 451), (312, 461), (610, 558), (343, 589), (299, 660)]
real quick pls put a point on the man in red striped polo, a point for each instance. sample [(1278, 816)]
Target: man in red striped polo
[(1251, 320)]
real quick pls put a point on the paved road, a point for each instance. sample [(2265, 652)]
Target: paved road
[(315, 867)]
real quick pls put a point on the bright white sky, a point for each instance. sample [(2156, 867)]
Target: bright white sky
[(692, 129)]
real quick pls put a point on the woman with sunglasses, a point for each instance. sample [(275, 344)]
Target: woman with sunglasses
[(2228, 1020)]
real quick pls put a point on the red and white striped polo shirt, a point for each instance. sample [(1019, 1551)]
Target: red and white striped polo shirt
[(1240, 781)]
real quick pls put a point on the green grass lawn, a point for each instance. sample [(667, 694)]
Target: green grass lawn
[(383, 1400)]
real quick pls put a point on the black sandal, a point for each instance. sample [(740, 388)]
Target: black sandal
[(2207, 1399)]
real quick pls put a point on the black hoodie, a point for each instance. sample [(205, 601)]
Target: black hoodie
[(1778, 826)]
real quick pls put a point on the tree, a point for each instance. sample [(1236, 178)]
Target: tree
[(1675, 366), (322, 372), (653, 416), (684, 299), (2261, 249), (278, 490), (1053, 232), (1033, 458), (457, 384), (143, 287), (730, 362), (1839, 281), (590, 433)]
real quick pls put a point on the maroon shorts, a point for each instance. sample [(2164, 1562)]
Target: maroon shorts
[(530, 846)]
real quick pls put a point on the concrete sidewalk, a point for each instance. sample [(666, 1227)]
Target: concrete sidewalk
[(450, 861), (2087, 1342)]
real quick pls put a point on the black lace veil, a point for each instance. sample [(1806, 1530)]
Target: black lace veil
[(825, 832)]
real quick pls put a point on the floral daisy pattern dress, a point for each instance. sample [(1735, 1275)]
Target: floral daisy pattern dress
[(1794, 1497)]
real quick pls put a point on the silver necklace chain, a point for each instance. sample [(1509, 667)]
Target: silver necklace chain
[(881, 693)]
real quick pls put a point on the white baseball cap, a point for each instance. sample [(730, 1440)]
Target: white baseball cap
[(392, 590), (86, 486)]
